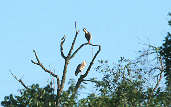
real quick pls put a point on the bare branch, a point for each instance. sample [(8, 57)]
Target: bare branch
[(38, 61), (67, 59), (81, 79), (75, 52), (63, 77), (78, 49), (46, 70), (61, 46), (160, 75), (19, 80), (75, 25), (161, 68), (90, 80), (72, 46), (92, 62), (155, 68)]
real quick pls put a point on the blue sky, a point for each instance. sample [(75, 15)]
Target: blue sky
[(119, 26)]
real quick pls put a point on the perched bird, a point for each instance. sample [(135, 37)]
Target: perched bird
[(87, 35), (80, 68)]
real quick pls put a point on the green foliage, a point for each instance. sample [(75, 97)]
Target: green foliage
[(119, 86), (166, 53), (39, 97), (66, 100), (123, 85), (34, 96)]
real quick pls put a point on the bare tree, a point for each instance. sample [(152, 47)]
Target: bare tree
[(67, 58)]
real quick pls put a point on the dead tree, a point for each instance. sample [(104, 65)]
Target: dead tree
[(67, 58)]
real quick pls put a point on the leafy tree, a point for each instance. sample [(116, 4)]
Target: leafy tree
[(126, 83), (38, 97), (123, 84), (166, 53), (33, 96)]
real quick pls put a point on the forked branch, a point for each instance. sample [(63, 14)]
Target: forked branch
[(81, 78), (46, 70), (67, 59), (78, 49)]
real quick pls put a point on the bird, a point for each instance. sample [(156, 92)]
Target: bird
[(87, 35), (80, 67)]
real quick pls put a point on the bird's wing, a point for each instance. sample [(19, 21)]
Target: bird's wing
[(89, 35)]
